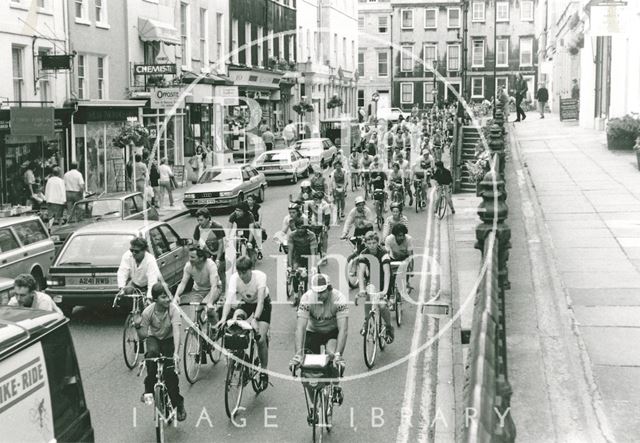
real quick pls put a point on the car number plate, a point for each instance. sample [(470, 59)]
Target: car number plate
[(208, 201), (92, 281)]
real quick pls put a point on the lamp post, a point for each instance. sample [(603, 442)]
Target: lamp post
[(435, 84)]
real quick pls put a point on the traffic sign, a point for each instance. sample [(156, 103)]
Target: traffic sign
[(375, 96)]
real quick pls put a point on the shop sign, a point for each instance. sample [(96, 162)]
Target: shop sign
[(106, 114), (227, 95), (32, 121), (165, 98), (155, 69), (608, 19)]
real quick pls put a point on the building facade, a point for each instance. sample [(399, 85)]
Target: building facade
[(501, 44), (374, 55)]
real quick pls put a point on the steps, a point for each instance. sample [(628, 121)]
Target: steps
[(470, 137)]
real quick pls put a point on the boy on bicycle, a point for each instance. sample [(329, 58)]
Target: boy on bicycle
[(160, 326), (444, 179)]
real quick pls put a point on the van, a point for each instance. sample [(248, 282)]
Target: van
[(25, 248), (41, 394)]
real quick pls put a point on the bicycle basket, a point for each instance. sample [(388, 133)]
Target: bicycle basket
[(315, 366), (378, 194), (236, 340)]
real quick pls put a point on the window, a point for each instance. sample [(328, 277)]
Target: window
[(102, 79), (430, 55), (477, 59), (184, 34), (43, 4), (43, 83), (478, 12), (18, 73), (361, 64), (170, 236), (502, 52), (477, 87), (383, 24), (453, 57), (406, 19), (430, 18), (30, 232), (453, 17), (83, 92), (360, 98), (406, 93), (427, 92), (526, 51), (502, 82), (406, 59), (344, 51), (383, 64), (271, 48), (451, 88), (101, 12), (81, 12), (219, 34), (158, 243), (247, 42), (361, 22), (281, 46), (526, 10), (234, 41), (151, 52), (502, 11), (8, 242), (204, 40), (260, 60)]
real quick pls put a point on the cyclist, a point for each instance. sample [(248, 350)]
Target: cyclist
[(247, 291), (305, 198), (206, 283), (443, 177), (318, 183), (421, 172), (396, 217), (361, 217), (243, 221), (323, 320), (303, 244), (254, 208), (319, 220), (378, 182), (295, 213), (338, 181), (138, 268), (209, 235), (339, 157), (405, 168), (396, 180), (355, 159), (367, 160), (374, 267), (159, 326)]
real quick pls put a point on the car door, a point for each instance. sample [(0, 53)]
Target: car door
[(11, 263), (162, 252), (178, 254), (294, 162), (129, 209), (302, 162), (247, 183), (37, 247), (148, 210)]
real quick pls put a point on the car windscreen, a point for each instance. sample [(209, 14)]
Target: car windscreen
[(274, 157), (95, 209), (95, 250), (308, 145), (220, 175)]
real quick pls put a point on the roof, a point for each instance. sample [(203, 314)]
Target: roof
[(132, 227), (8, 221), (21, 325)]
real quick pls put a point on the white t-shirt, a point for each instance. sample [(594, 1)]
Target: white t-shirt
[(40, 301), (55, 191), (73, 181), (165, 173), (241, 292)]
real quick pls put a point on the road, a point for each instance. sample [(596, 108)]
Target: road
[(394, 401)]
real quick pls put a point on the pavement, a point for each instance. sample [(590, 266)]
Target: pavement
[(168, 213), (573, 310)]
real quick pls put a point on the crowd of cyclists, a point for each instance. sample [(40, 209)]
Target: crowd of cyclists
[(394, 161)]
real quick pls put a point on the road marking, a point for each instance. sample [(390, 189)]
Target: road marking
[(409, 391)]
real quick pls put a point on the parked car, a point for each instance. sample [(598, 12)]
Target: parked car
[(6, 286), (319, 151), (281, 164), (85, 270), (111, 206), (45, 399), (392, 114), (225, 186), (25, 248)]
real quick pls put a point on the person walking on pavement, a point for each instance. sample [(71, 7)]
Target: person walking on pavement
[(268, 138), (55, 195), (154, 181), (575, 90), (289, 133), (521, 94), (140, 171), (165, 182), (74, 185), (542, 95)]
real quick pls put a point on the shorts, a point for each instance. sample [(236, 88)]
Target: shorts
[(250, 308), (314, 340), (55, 210)]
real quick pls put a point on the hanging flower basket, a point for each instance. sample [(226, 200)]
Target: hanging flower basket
[(335, 102), (132, 134), (302, 108)]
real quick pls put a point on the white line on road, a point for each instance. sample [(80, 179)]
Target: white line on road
[(409, 386)]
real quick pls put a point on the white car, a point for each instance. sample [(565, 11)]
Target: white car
[(282, 164), (320, 151), (392, 114)]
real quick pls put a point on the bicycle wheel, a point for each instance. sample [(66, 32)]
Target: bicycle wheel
[(159, 413), (398, 306), (352, 274), (328, 410), (291, 290), (382, 333), (370, 338), (234, 384), (418, 201), (318, 420), (215, 348), (192, 355), (442, 207), (379, 222), (130, 343)]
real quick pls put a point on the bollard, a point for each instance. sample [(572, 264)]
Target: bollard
[(496, 145), (499, 118)]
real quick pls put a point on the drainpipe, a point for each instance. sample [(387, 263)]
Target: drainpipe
[(391, 60)]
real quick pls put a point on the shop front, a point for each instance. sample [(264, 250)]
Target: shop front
[(96, 124), (262, 86), (28, 148)]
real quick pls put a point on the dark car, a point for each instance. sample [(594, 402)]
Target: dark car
[(111, 206)]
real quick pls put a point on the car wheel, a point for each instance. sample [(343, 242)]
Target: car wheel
[(66, 309), (39, 278), (294, 177), (306, 171), (261, 194)]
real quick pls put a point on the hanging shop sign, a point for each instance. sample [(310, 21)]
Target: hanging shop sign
[(165, 98), (32, 121), (55, 62), (227, 95), (608, 18), (166, 69)]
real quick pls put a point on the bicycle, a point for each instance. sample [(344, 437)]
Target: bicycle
[(378, 202), (246, 248), (375, 331), (366, 184), (395, 300), (296, 290), (420, 200), (197, 347), (441, 202), (316, 373), (352, 262), (397, 193), (164, 412), (241, 342), (132, 347), (339, 195), (355, 179)]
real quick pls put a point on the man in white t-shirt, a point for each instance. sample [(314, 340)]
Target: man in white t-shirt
[(74, 185), (289, 133), (27, 296), (56, 196), (138, 268)]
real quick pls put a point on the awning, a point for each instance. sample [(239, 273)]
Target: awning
[(151, 30)]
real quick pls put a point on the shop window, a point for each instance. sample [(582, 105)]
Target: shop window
[(7, 241), (30, 232)]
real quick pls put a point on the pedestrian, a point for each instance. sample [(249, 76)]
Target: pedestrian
[(74, 185), (263, 127), (154, 178), (289, 133), (268, 138), (29, 179), (55, 195), (25, 295), (542, 95), (575, 90), (140, 173), (165, 182), (503, 99), (521, 94), (129, 173)]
